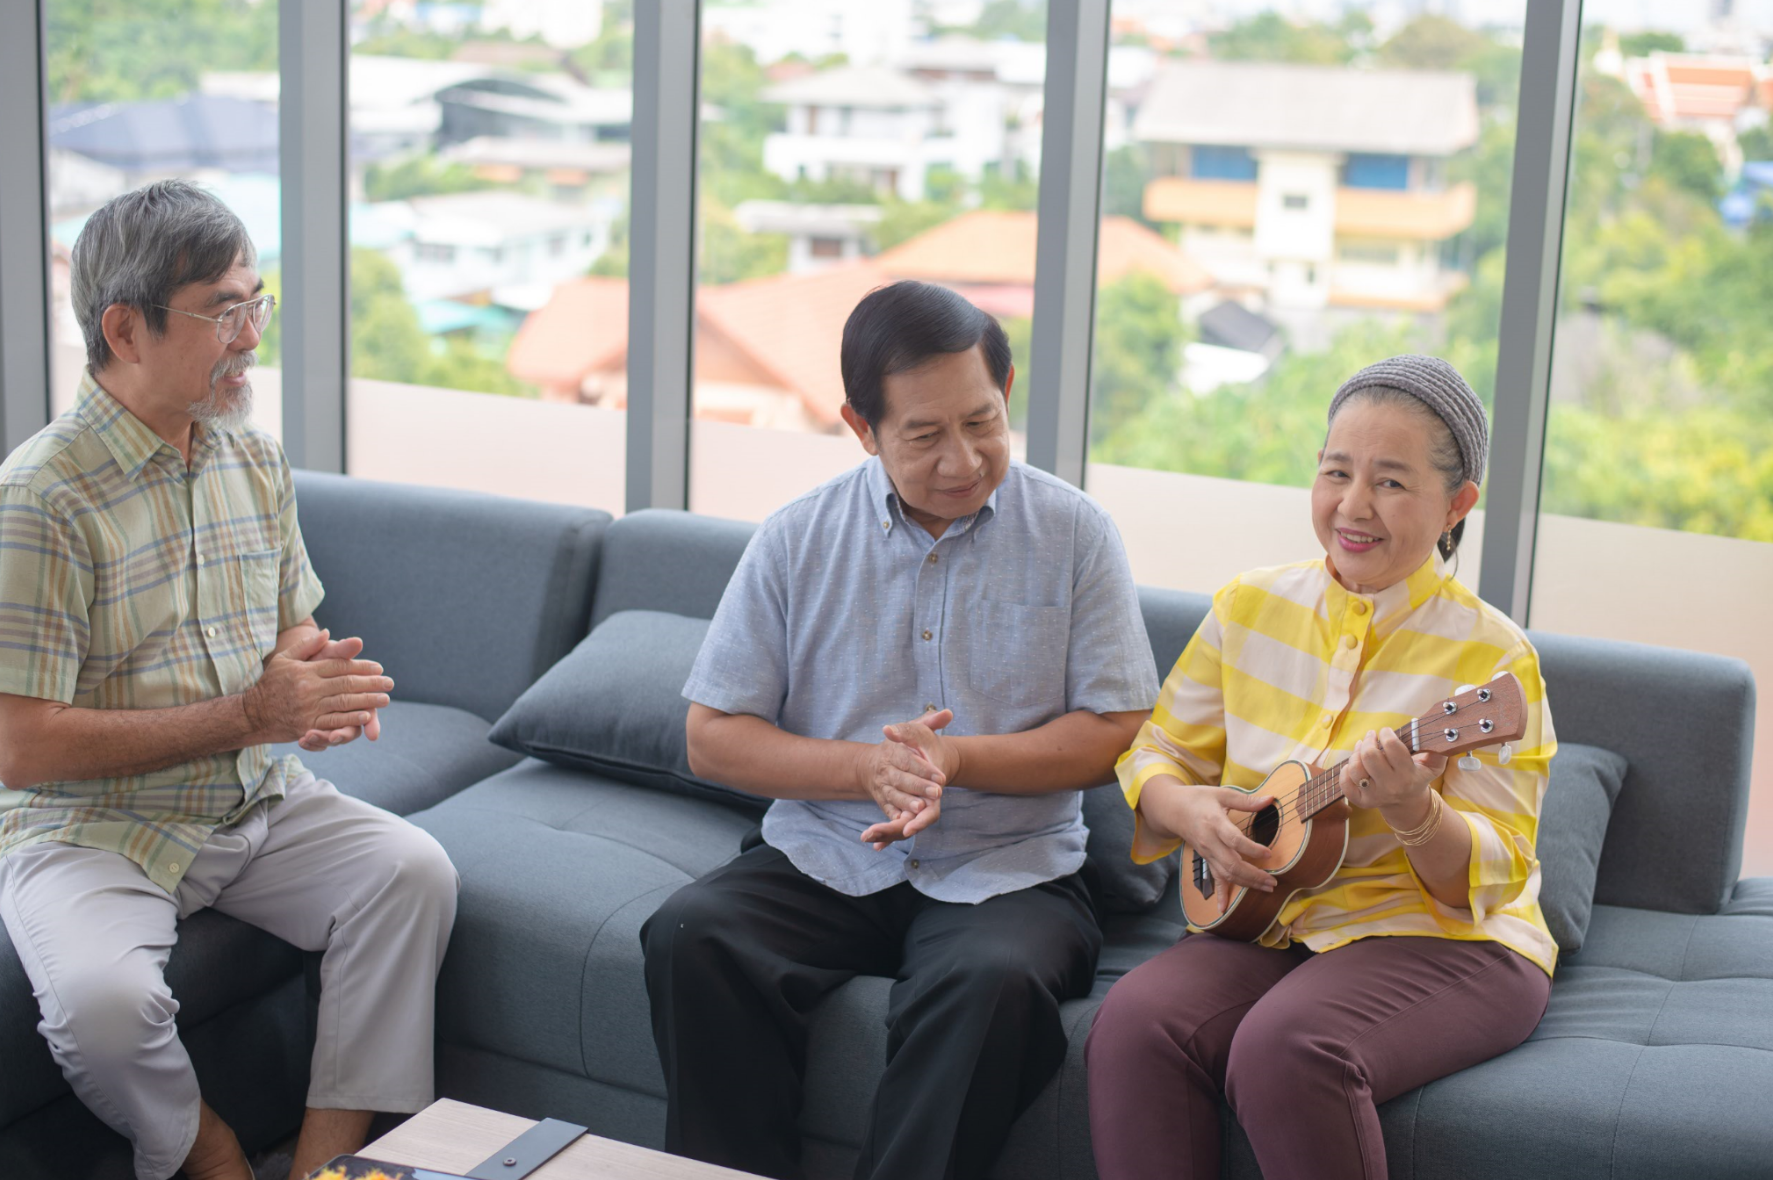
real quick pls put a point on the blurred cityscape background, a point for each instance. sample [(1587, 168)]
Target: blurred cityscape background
[(1291, 189)]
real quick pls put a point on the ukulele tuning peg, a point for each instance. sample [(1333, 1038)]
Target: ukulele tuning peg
[(1504, 754), (1469, 763), (1464, 688)]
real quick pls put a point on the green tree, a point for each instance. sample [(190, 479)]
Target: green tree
[(611, 55), (732, 136), (1644, 44), (387, 343), (1018, 190), (127, 50), (1756, 143), (1272, 37), (900, 221), (1138, 350), (729, 254), (419, 176), (1014, 20), (1688, 160), (1431, 42), (1124, 172)]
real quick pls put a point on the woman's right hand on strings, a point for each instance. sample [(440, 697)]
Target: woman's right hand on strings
[(1203, 816)]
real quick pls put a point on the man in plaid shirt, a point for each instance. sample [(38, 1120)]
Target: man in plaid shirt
[(156, 637)]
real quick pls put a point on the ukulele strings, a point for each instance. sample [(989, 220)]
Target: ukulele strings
[(1318, 780)]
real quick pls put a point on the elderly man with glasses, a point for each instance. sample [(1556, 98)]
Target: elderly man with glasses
[(156, 619)]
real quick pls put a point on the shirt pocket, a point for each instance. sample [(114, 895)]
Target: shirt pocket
[(1018, 653), (259, 586)]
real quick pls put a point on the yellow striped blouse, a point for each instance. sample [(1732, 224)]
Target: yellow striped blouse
[(1290, 665)]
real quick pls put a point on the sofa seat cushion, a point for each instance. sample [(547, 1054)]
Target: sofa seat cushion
[(218, 962), (559, 870), (426, 754)]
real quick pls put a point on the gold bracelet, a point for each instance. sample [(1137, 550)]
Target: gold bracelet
[(1427, 830)]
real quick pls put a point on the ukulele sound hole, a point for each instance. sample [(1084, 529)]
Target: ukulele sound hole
[(1265, 826)]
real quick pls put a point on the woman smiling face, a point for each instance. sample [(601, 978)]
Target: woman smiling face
[(1380, 502)]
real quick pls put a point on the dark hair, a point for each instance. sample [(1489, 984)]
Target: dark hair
[(1443, 449), (899, 327), (141, 247)]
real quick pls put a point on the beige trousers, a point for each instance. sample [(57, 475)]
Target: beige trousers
[(318, 869)]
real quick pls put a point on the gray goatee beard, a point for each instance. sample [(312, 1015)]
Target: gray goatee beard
[(226, 411)]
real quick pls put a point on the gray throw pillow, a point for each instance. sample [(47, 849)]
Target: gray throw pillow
[(615, 705), (1127, 888), (1585, 782)]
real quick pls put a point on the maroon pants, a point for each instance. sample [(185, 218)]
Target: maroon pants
[(1303, 1047)]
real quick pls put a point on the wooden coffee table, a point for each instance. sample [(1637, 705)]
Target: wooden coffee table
[(453, 1136)]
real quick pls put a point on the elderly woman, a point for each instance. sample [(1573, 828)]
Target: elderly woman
[(1426, 952)]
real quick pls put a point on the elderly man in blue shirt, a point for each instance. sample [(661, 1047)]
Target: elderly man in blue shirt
[(922, 662)]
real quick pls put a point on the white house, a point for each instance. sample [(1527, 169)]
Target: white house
[(819, 236), (497, 247), (1312, 187), (872, 124)]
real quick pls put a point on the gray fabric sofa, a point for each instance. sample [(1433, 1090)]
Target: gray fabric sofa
[(1655, 1058)]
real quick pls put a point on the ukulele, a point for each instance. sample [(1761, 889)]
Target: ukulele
[(1305, 829)]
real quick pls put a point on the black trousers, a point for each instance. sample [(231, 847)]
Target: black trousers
[(737, 962)]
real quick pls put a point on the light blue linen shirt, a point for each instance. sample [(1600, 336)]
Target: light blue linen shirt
[(844, 615)]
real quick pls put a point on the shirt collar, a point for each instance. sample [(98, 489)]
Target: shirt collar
[(884, 498), (128, 438), (1395, 601)]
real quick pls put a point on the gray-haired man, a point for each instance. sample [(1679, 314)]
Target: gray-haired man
[(156, 615)]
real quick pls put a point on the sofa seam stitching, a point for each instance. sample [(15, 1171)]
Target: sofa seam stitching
[(1619, 1114), (585, 967)]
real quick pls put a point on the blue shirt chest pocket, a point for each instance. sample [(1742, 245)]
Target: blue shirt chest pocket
[(1017, 654)]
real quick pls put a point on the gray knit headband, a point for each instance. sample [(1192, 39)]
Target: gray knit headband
[(1437, 385)]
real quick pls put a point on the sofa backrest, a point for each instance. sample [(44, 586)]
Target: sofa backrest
[(661, 559), (1684, 720), (465, 598)]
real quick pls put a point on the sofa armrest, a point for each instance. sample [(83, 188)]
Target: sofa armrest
[(465, 598)]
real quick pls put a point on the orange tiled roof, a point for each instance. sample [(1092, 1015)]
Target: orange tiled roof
[(993, 247), (1677, 86), (791, 325), (582, 329)]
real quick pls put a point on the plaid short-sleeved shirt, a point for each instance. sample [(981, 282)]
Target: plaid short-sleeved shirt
[(128, 581)]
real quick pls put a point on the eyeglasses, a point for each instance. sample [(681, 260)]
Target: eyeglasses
[(232, 321)]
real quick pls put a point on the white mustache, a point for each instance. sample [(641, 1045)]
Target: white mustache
[(233, 366)]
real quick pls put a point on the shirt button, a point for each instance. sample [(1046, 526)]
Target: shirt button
[(209, 631), (932, 559), (1325, 720), (1359, 607), (1350, 642), (172, 866), (929, 634), (913, 862)]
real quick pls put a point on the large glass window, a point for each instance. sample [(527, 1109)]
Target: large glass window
[(1657, 500), (843, 146), (489, 263), (146, 91), (1325, 191)]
